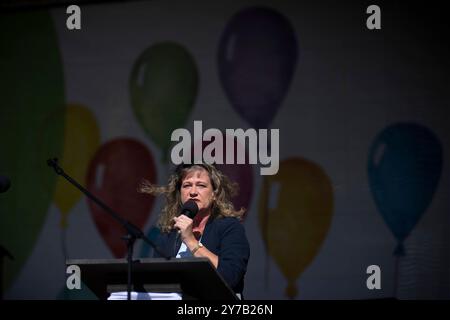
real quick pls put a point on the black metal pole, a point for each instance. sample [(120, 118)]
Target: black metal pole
[(131, 228), (133, 232), (130, 244)]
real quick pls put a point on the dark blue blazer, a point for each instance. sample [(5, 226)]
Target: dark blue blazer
[(226, 238)]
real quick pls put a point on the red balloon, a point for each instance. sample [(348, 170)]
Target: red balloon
[(113, 176)]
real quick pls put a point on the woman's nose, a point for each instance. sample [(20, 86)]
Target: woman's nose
[(193, 192)]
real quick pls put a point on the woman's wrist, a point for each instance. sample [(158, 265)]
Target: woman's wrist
[(191, 243), (196, 248)]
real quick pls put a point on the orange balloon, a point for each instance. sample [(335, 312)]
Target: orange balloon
[(295, 211)]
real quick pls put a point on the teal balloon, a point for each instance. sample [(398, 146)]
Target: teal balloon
[(404, 167), (84, 293), (163, 89), (32, 123)]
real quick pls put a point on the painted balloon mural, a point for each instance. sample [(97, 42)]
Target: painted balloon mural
[(113, 176), (81, 140), (29, 139), (163, 89), (404, 167), (242, 174), (295, 212), (257, 56)]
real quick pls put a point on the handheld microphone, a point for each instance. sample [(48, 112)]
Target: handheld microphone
[(5, 183), (189, 209)]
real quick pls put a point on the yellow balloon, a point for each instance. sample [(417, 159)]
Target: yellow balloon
[(295, 211), (81, 140)]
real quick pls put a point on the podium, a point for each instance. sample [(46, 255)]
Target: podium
[(194, 279)]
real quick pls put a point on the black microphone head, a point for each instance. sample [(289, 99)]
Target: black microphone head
[(190, 208), (5, 184)]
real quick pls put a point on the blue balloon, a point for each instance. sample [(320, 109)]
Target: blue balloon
[(404, 167), (256, 60)]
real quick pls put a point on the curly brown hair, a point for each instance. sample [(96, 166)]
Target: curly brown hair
[(224, 189)]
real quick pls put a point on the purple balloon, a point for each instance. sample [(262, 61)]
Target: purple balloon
[(257, 58)]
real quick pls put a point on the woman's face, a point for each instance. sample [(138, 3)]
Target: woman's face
[(197, 186)]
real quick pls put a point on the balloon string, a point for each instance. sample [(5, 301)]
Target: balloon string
[(291, 289), (63, 244), (265, 234), (398, 252), (399, 249), (396, 277)]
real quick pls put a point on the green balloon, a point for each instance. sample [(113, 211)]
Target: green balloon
[(32, 82), (163, 88)]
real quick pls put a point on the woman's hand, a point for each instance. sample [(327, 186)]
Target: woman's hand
[(184, 225)]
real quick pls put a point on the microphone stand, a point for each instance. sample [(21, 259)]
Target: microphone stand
[(133, 232)]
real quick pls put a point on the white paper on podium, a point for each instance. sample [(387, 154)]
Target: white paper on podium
[(123, 295)]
